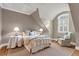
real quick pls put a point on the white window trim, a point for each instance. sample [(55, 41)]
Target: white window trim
[(64, 24)]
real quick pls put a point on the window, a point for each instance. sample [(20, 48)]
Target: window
[(63, 23)]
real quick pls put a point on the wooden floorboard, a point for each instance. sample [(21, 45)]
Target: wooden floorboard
[(75, 53), (19, 51), (3, 52)]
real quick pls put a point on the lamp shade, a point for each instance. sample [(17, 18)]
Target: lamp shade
[(41, 29), (16, 29)]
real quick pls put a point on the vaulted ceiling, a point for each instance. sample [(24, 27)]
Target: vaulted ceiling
[(47, 11)]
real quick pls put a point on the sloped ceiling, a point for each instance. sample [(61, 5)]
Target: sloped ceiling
[(47, 11), (75, 15), (25, 8), (35, 15)]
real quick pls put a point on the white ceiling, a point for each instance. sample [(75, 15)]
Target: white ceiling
[(47, 11), (19, 7)]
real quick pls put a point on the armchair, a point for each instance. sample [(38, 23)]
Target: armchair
[(66, 39)]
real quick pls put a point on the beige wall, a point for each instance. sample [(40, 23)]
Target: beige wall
[(55, 33), (0, 24), (37, 18), (71, 25), (11, 19), (74, 7)]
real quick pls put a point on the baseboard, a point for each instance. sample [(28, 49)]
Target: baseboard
[(77, 48)]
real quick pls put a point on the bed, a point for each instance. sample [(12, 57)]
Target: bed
[(31, 43), (34, 44)]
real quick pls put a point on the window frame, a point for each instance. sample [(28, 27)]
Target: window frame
[(62, 23)]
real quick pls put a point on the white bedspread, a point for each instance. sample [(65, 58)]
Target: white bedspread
[(14, 41)]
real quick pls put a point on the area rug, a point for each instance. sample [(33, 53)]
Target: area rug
[(55, 50)]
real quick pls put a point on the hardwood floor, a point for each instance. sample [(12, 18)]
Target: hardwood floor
[(18, 52), (3, 52), (23, 52), (14, 52), (75, 53)]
